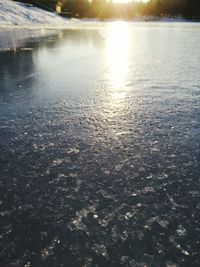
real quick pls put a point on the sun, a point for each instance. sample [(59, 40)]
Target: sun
[(129, 1), (122, 1)]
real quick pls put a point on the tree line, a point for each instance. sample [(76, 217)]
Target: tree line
[(104, 9)]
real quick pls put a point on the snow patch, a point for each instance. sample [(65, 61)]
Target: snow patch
[(15, 13)]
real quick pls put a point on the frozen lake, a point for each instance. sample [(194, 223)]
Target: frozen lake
[(100, 146)]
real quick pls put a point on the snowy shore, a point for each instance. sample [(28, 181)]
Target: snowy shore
[(15, 14), (19, 14)]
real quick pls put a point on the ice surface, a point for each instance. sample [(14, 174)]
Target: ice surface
[(92, 174)]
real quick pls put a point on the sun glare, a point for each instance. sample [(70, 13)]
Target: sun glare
[(122, 1), (129, 1)]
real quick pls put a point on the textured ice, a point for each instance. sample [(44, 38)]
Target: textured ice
[(94, 174)]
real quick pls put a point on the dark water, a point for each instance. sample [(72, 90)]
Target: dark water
[(100, 147)]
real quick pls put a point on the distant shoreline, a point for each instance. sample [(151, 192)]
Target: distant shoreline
[(74, 23)]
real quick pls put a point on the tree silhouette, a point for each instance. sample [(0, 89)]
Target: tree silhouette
[(103, 9)]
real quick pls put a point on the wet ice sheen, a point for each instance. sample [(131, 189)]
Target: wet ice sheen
[(99, 162)]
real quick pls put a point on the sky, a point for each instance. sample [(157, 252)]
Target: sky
[(128, 1)]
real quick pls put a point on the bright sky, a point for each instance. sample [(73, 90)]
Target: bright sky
[(128, 1)]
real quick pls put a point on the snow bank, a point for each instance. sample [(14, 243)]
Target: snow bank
[(15, 13)]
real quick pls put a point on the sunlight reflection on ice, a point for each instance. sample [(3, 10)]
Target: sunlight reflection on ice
[(117, 68), (117, 53)]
